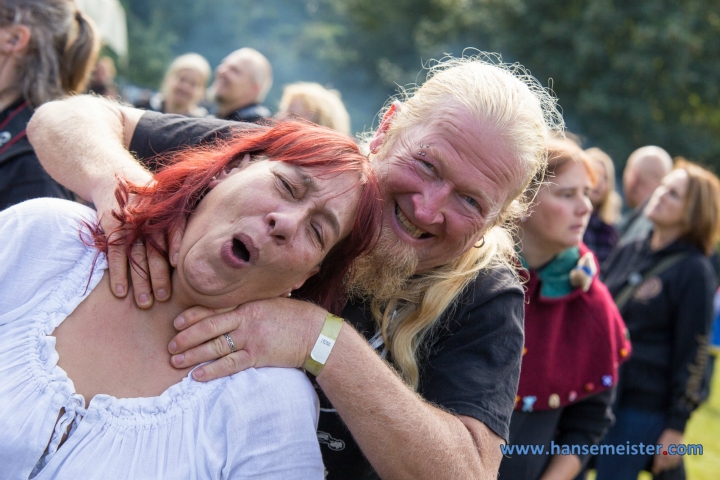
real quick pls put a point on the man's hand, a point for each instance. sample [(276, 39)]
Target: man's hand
[(267, 333), (148, 260), (82, 142), (562, 467), (665, 462)]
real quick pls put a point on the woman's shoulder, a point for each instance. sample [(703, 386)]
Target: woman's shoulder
[(41, 251), (695, 267), (46, 230), (54, 213)]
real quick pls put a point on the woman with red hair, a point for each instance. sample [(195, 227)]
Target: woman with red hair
[(272, 211)]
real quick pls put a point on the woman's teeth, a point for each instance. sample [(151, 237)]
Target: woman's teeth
[(409, 227)]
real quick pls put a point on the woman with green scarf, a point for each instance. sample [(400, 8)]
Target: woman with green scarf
[(574, 335)]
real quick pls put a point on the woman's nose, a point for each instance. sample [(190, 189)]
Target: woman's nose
[(585, 206), (284, 225)]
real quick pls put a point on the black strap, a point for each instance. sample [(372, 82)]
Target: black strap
[(12, 131), (626, 293)]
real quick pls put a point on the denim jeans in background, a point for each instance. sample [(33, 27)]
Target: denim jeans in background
[(636, 426)]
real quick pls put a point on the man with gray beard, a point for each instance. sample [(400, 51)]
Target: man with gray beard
[(452, 160)]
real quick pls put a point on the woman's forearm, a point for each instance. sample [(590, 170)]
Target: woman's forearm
[(82, 143)]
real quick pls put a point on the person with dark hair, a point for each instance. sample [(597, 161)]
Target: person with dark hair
[(663, 286), (88, 391), (47, 50), (574, 335)]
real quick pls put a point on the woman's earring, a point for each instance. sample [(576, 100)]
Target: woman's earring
[(289, 294), (481, 244), (523, 219)]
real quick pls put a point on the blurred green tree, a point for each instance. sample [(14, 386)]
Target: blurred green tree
[(626, 73)]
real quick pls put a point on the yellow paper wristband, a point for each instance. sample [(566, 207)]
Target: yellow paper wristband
[(324, 344)]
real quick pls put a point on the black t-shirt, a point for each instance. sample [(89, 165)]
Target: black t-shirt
[(158, 133), (473, 362), (472, 367), (21, 175)]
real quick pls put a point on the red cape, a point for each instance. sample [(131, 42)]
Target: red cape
[(573, 345)]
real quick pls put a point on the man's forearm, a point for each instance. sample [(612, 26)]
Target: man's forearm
[(82, 143), (401, 435)]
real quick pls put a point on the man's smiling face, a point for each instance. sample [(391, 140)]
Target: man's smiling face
[(444, 181)]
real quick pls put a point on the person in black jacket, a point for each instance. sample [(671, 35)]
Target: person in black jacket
[(40, 60), (664, 286)]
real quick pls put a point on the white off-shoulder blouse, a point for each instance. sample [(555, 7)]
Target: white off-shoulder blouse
[(260, 423)]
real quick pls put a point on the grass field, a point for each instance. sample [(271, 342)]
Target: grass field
[(703, 428)]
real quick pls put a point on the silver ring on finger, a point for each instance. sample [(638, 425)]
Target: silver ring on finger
[(230, 343)]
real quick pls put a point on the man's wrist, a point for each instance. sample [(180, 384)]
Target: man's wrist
[(323, 345)]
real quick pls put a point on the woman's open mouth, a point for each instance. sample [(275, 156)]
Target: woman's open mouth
[(239, 251)]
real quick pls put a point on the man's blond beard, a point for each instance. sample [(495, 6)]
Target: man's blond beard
[(382, 273)]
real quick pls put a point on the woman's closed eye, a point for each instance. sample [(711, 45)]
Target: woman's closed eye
[(286, 185), (316, 232)]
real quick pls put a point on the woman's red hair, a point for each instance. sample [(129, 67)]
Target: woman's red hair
[(162, 207)]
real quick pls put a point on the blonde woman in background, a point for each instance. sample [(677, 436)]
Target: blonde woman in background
[(601, 236), (183, 87), (316, 103)]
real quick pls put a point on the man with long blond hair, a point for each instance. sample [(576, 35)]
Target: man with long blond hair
[(437, 300)]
